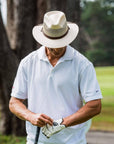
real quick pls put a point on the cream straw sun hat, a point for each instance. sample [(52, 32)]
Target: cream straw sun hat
[(55, 32)]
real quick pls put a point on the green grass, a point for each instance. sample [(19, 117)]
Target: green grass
[(105, 76), (105, 121), (12, 140)]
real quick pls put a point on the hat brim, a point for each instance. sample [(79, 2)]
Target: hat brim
[(55, 43)]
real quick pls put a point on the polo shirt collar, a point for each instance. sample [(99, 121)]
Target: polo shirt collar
[(67, 56)]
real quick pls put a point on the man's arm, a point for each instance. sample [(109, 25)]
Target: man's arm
[(17, 107), (89, 110)]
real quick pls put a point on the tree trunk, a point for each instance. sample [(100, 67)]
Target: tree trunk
[(8, 66), (21, 18), (41, 10), (20, 21), (73, 15)]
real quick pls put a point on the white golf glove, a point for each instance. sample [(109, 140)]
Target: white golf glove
[(48, 130)]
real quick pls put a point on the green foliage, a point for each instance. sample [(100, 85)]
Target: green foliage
[(96, 56), (97, 19)]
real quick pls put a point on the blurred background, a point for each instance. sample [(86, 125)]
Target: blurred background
[(95, 40)]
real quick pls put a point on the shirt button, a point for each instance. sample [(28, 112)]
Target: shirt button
[(51, 74)]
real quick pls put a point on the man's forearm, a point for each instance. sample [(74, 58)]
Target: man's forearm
[(88, 111), (19, 109)]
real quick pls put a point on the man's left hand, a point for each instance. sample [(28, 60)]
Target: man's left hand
[(48, 130)]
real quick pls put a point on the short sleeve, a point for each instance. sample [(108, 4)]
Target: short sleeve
[(88, 84), (19, 89)]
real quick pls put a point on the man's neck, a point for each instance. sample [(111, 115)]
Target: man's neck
[(54, 54)]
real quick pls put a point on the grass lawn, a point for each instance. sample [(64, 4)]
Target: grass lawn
[(105, 121), (12, 140)]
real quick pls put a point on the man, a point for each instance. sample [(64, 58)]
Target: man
[(56, 79)]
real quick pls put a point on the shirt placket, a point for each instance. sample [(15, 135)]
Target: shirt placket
[(53, 69)]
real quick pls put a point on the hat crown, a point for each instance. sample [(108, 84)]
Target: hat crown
[(55, 32), (55, 19), (54, 24)]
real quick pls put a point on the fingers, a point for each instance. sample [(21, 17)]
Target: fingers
[(40, 123), (47, 119), (42, 120)]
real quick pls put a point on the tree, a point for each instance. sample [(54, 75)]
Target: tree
[(97, 20), (8, 62), (20, 20)]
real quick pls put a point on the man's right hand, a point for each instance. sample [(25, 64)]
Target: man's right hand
[(17, 107), (40, 120)]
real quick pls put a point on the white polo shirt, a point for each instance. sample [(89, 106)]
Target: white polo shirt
[(57, 91)]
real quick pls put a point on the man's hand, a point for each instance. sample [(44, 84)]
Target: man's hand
[(17, 107), (48, 130), (40, 120)]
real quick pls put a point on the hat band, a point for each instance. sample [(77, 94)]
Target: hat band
[(55, 37)]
